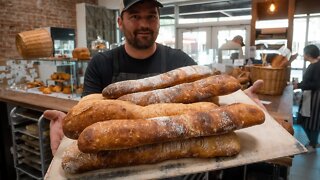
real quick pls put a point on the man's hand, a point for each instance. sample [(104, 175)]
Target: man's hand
[(56, 132), (251, 92)]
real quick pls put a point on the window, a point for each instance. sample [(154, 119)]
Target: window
[(301, 38)]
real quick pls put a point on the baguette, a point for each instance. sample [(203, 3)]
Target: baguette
[(94, 109), (92, 97), (124, 134), (171, 78), (196, 91), (75, 161)]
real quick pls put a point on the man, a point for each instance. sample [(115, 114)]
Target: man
[(235, 44), (139, 57)]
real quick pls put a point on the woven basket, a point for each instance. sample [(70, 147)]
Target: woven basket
[(275, 79), (34, 44)]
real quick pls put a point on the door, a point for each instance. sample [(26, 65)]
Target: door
[(202, 43), (197, 43)]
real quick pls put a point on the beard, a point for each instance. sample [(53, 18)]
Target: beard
[(144, 42)]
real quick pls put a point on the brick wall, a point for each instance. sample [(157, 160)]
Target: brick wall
[(19, 15)]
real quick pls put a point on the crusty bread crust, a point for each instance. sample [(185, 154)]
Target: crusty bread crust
[(124, 134), (75, 161), (94, 109), (196, 91), (170, 78)]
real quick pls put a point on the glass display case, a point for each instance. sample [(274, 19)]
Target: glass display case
[(57, 77)]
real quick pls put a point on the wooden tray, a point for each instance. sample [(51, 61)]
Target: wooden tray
[(259, 143)]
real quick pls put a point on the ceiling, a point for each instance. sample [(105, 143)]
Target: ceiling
[(197, 8), (205, 9)]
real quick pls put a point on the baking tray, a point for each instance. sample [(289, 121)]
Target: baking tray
[(258, 143)]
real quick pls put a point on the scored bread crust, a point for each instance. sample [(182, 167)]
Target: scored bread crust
[(170, 78), (196, 91), (124, 134), (92, 110), (75, 161)]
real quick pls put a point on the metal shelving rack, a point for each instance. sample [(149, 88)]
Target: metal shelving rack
[(31, 143)]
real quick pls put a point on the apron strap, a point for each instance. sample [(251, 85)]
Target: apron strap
[(163, 58), (115, 55)]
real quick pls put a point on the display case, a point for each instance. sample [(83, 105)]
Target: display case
[(57, 77)]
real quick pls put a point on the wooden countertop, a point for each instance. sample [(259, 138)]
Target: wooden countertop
[(281, 105), (35, 101)]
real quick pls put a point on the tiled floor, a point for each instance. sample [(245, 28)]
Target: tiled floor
[(305, 166)]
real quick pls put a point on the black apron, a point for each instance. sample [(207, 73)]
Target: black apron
[(121, 76)]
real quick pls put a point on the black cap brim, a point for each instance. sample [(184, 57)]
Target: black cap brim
[(127, 6)]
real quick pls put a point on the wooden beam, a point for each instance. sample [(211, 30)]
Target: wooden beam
[(253, 22), (291, 12)]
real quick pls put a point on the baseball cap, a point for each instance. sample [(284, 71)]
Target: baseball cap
[(240, 38), (126, 4)]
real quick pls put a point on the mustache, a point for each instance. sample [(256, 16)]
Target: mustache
[(143, 30)]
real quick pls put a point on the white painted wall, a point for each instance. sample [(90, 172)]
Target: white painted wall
[(81, 25)]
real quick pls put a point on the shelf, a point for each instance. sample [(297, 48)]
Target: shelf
[(18, 121), (30, 171), (268, 46), (30, 116), (23, 130), (259, 13)]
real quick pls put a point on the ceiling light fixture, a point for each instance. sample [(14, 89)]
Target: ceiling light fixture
[(272, 8)]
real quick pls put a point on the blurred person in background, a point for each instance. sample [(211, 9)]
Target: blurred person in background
[(309, 109)]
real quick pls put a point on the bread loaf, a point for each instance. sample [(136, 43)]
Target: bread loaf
[(81, 53), (187, 92), (171, 78), (74, 161), (123, 134), (91, 97), (280, 61), (94, 109)]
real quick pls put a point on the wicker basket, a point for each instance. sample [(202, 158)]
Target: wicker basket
[(34, 44), (275, 79)]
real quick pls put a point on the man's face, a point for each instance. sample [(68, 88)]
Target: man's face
[(140, 24)]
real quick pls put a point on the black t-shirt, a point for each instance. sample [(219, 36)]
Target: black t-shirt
[(311, 78), (100, 70)]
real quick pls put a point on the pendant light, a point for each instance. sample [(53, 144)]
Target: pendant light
[(272, 8)]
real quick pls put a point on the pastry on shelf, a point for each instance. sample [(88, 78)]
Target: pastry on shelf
[(55, 76), (41, 88), (66, 90), (46, 90), (79, 90), (81, 53), (35, 83), (65, 76), (51, 88), (57, 88)]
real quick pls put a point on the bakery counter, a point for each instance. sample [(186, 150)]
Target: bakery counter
[(279, 106), (35, 101)]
